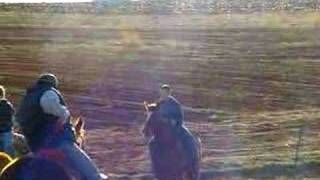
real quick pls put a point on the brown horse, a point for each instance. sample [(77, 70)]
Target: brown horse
[(175, 152), (35, 168), (21, 147), (53, 154)]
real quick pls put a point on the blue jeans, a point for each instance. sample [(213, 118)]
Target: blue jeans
[(79, 160), (75, 156), (6, 140)]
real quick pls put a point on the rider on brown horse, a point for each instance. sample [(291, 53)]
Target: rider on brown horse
[(175, 153)]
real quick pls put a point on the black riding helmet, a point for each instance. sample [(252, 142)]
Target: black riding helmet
[(49, 79)]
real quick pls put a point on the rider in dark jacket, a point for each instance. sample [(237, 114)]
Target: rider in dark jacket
[(170, 107), (37, 115), (45, 121)]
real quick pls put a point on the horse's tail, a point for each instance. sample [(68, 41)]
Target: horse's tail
[(197, 159), (193, 169), (198, 141)]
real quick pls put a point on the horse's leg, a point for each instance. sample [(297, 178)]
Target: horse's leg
[(191, 174), (80, 161), (188, 176), (160, 162), (191, 148), (155, 158)]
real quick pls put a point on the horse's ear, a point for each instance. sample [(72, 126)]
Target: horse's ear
[(73, 120), (146, 106), (79, 124)]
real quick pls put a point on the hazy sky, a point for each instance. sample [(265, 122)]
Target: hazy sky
[(40, 1)]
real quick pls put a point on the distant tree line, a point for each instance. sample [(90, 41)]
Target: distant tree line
[(167, 6), (49, 8)]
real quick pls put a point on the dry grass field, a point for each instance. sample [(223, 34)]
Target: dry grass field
[(249, 82)]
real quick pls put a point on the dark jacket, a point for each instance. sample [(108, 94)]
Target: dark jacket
[(6, 116), (35, 124), (170, 108)]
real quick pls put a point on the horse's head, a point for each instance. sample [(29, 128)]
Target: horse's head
[(154, 123), (30, 167), (79, 127)]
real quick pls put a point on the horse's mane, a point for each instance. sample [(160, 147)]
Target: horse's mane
[(80, 132), (156, 119), (35, 168), (154, 108)]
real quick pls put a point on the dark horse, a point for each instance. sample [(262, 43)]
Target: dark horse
[(49, 155), (48, 163), (21, 147), (35, 168), (175, 152)]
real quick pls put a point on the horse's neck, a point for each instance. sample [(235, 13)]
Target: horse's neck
[(167, 136)]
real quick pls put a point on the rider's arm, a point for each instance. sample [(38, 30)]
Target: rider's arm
[(176, 111), (180, 115), (50, 104)]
